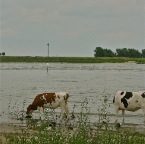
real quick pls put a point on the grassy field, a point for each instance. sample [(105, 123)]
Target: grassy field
[(70, 59)]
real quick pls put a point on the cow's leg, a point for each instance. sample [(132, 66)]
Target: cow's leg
[(67, 111), (64, 109), (41, 110), (143, 109), (30, 113), (123, 112), (116, 112)]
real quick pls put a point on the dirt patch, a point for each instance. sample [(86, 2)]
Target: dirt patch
[(9, 128), (131, 62)]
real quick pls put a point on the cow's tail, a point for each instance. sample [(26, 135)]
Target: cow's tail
[(114, 99), (66, 97)]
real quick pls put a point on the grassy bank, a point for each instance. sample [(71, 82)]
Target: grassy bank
[(71, 59), (83, 135)]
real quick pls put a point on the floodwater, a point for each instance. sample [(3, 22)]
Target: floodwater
[(87, 85)]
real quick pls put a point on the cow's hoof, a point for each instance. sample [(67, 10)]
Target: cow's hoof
[(72, 116), (28, 116), (117, 125), (70, 127), (52, 124)]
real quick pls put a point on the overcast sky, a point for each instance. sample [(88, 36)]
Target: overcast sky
[(71, 27)]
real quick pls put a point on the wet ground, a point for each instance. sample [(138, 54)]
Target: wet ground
[(87, 84)]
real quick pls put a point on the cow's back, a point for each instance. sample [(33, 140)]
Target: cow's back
[(63, 96), (130, 101)]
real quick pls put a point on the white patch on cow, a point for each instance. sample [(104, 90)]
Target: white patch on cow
[(61, 93), (43, 98), (53, 105)]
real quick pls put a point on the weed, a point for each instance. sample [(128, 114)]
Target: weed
[(103, 115)]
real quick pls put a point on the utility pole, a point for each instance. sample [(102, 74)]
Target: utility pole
[(48, 49)]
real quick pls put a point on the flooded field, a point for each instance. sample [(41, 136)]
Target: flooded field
[(86, 83)]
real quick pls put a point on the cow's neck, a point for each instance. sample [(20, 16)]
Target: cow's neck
[(34, 107)]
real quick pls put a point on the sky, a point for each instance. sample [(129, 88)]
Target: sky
[(71, 27)]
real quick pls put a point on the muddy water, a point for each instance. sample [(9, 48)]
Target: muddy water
[(21, 82)]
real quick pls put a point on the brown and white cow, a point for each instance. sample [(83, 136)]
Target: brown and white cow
[(130, 101), (49, 100)]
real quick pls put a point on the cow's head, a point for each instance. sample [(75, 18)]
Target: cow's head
[(30, 109)]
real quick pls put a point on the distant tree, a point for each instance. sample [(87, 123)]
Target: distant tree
[(122, 52), (99, 52), (3, 53), (143, 53), (0, 54), (134, 53), (130, 52), (108, 53)]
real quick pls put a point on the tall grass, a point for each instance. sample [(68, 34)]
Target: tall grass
[(76, 132)]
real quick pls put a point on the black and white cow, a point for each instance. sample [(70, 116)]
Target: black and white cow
[(130, 101)]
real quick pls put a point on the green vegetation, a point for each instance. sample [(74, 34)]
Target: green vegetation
[(120, 52), (82, 136), (71, 59), (3, 53)]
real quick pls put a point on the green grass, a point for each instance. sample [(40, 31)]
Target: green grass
[(41, 59), (83, 135)]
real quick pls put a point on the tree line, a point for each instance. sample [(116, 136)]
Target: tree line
[(3, 53), (120, 52)]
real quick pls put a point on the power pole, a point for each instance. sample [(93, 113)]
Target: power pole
[(48, 49)]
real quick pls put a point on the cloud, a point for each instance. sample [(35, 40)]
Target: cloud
[(120, 35), (6, 32), (76, 24), (117, 38)]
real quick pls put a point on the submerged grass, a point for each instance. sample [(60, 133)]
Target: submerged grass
[(71, 59), (76, 132)]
